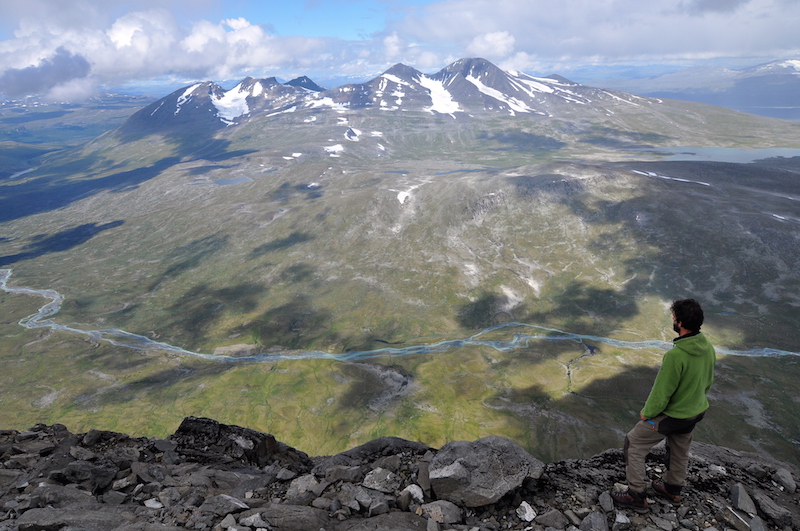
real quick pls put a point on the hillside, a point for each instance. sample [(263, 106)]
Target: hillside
[(208, 475), (333, 266)]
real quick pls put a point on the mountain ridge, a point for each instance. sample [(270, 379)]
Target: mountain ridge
[(466, 86)]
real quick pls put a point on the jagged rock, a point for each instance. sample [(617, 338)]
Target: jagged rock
[(207, 438), (350, 474), (756, 470), (784, 478), (382, 480), (47, 519), (443, 512), (96, 476), (223, 505), (481, 472), (664, 524), (281, 517), (416, 493), (595, 521), (61, 496), (394, 521), (780, 515), (553, 518), (733, 519), (369, 452), (621, 522), (605, 501), (741, 500), (52, 479), (253, 520), (757, 524), (146, 526), (525, 512), (302, 485), (378, 507)]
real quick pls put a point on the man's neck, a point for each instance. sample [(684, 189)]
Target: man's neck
[(684, 333)]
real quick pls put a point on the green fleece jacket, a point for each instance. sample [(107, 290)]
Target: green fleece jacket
[(686, 375)]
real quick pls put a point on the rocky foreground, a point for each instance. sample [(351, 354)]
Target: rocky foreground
[(211, 476)]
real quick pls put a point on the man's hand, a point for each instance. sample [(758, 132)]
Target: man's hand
[(644, 419)]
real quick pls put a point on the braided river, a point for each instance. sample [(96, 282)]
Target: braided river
[(519, 335)]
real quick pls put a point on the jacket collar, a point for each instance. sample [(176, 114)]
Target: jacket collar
[(684, 336)]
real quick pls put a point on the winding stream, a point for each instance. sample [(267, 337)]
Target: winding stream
[(115, 336)]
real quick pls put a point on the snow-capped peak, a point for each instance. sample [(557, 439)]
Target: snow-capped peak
[(463, 88)]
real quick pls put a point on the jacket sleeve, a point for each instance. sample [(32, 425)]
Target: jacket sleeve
[(667, 380)]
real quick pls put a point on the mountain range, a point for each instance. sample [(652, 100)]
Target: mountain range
[(434, 257), (466, 87), (770, 89)]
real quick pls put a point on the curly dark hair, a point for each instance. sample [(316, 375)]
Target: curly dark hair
[(688, 313)]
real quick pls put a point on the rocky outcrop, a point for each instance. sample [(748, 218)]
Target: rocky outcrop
[(210, 476)]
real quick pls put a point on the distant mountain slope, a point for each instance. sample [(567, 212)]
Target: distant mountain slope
[(771, 89)]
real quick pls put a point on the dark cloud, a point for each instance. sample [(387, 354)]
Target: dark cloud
[(63, 66), (714, 6)]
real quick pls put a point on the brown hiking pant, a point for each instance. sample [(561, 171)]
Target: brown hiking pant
[(645, 435)]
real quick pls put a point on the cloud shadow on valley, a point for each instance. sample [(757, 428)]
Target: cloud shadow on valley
[(515, 140), (201, 308), (704, 230), (297, 324), (61, 241), (293, 239), (608, 137), (44, 194), (287, 191), (578, 306)]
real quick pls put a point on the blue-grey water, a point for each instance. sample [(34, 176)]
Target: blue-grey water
[(515, 340), (714, 154)]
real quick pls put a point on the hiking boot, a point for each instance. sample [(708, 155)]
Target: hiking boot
[(662, 489), (628, 498)]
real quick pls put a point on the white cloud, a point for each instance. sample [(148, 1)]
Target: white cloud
[(72, 90), (236, 23), (495, 44), (612, 30), (538, 36), (393, 46)]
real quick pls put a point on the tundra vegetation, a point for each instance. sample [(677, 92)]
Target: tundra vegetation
[(349, 231)]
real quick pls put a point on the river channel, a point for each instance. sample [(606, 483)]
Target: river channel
[(519, 336)]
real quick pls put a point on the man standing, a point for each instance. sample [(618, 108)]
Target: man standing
[(676, 403)]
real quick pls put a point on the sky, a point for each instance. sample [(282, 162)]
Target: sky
[(72, 49)]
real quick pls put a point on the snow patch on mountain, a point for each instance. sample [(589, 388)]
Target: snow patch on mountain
[(334, 150), (442, 101), (352, 134), (157, 108), (326, 102), (620, 99), (285, 111), (398, 93), (232, 104), (395, 79), (183, 98), (513, 103), (529, 84)]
